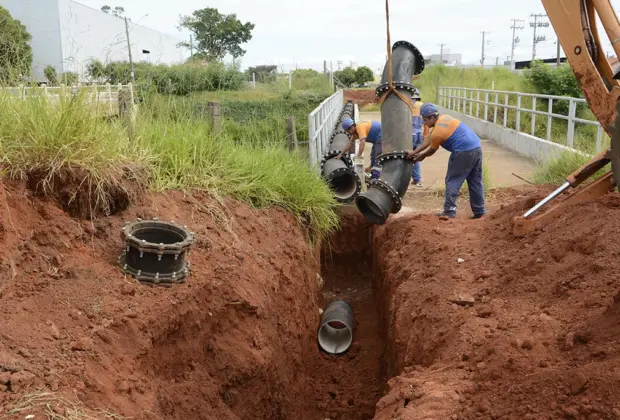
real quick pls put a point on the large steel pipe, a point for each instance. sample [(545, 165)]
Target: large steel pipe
[(340, 173), (336, 329), (384, 195)]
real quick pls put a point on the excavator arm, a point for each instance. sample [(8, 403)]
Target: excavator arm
[(574, 21)]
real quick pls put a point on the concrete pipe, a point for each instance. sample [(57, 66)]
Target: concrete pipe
[(336, 329), (384, 195)]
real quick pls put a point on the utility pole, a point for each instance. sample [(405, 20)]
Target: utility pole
[(483, 42), (516, 24), (133, 75), (538, 24), (559, 61), (441, 53), (191, 46)]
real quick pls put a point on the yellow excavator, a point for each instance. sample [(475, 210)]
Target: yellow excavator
[(574, 21)]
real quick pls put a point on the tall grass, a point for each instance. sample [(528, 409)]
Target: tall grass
[(173, 146), (479, 78)]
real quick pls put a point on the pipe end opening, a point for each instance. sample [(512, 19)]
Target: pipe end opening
[(344, 185), (335, 337), (371, 210)]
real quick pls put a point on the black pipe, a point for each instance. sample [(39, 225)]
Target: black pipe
[(339, 142), (384, 195)]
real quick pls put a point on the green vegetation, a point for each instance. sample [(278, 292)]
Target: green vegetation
[(216, 35), (556, 170), (15, 51), (350, 77), (173, 148)]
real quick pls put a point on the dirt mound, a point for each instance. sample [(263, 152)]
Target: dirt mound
[(361, 97), (484, 325), (231, 343)]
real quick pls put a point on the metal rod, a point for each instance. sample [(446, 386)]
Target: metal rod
[(550, 197)]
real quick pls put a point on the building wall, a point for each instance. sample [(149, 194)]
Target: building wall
[(68, 35), (41, 17), (89, 33)]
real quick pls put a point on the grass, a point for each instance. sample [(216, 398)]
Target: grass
[(173, 147), (556, 170)]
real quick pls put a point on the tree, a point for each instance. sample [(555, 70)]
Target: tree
[(51, 75), (215, 34), (118, 11), (96, 70), (264, 73), (346, 76), (558, 81), (364, 75), (15, 51)]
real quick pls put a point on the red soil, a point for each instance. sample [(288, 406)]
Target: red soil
[(361, 97), (541, 341), (238, 341)]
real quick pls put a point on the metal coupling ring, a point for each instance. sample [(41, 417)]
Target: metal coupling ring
[(387, 188)]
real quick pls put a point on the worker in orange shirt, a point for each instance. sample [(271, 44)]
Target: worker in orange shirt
[(367, 131), (465, 162)]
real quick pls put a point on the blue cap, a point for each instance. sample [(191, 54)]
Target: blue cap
[(428, 109), (347, 123)]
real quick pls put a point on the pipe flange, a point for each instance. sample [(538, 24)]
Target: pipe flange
[(391, 156), (391, 191), (419, 62), (398, 85), (332, 154), (358, 185)]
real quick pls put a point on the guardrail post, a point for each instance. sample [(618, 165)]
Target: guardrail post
[(506, 102), (518, 128), (599, 138), (486, 106), (549, 120), (215, 117), (291, 134), (108, 90), (570, 138), (496, 106), (533, 115), (312, 141), (471, 103)]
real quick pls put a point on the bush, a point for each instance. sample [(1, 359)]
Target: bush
[(51, 75), (182, 79), (15, 50), (69, 78), (559, 81)]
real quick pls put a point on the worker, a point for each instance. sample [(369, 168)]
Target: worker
[(367, 131), (420, 131), (465, 162)]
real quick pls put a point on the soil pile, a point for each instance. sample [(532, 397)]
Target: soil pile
[(484, 325), (361, 97), (232, 343)]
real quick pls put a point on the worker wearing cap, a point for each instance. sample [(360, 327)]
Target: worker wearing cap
[(465, 162), (420, 131), (367, 131)]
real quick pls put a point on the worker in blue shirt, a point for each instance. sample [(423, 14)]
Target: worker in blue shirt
[(367, 131), (420, 131), (465, 162)]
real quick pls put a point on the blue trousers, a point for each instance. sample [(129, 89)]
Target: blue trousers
[(465, 166), (377, 149), (416, 174)]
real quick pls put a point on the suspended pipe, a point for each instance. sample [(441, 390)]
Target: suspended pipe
[(384, 195), (336, 328), (340, 173)]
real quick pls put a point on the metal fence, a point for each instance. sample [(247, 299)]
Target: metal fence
[(321, 124), (490, 103)]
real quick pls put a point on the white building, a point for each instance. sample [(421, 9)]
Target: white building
[(68, 35)]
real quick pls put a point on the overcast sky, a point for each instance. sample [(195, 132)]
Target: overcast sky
[(304, 33)]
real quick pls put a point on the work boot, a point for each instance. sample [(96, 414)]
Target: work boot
[(477, 216), (445, 216)]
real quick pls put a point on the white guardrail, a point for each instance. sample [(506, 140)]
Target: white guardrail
[(93, 93), (321, 124), (462, 100)]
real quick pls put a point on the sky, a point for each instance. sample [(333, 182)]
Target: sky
[(301, 33)]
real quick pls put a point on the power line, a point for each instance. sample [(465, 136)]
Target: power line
[(537, 24), (516, 24)]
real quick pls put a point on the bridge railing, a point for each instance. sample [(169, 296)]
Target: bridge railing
[(321, 123), (494, 106)]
